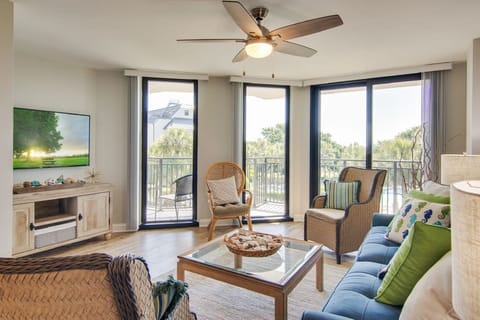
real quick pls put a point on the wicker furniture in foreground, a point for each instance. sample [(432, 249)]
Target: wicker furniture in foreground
[(275, 275), (344, 230), (93, 286)]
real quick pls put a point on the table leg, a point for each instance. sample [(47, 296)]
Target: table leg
[(319, 275), (281, 307), (180, 271), (237, 261)]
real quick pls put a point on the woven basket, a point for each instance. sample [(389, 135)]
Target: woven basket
[(273, 244)]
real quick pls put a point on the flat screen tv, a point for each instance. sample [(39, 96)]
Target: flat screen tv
[(49, 139)]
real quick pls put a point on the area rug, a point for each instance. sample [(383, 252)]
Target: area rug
[(214, 300)]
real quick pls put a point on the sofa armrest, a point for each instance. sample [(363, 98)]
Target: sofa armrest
[(381, 219), (320, 315)]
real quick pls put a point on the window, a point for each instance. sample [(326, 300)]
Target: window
[(374, 123), (169, 144), (266, 149)]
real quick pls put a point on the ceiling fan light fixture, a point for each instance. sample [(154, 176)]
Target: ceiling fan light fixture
[(258, 48)]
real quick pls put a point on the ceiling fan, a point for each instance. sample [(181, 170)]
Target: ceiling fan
[(260, 42)]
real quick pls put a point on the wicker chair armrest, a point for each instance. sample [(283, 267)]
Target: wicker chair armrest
[(181, 311), (130, 279), (248, 196), (319, 201)]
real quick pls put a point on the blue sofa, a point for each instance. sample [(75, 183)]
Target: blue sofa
[(354, 295)]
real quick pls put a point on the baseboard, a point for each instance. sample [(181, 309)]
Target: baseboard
[(223, 222), (121, 227)]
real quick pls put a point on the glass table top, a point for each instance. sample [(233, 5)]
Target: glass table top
[(276, 268)]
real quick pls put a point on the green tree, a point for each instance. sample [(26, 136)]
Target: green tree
[(35, 131), (175, 142)]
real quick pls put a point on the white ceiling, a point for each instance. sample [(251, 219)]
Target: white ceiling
[(140, 34)]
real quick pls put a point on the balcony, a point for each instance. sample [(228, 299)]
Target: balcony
[(266, 179)]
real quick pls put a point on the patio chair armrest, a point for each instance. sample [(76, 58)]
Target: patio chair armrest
[(319, 201)]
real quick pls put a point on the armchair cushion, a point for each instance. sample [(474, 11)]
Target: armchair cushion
[(341, 194), (223, 190), (229, 209)]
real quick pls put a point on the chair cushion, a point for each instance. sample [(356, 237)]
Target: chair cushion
[(425, 245), (341, 194), (414, 210), (436, 188), (431, 298), (326, 214), (230, 209), (223, 190)]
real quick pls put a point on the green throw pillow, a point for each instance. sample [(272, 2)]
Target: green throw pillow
[(341, 194), (424, 246), (166, 294), (429, 197)]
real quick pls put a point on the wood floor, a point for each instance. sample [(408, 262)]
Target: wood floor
[(161, 247)]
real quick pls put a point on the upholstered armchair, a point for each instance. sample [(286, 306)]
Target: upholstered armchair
[(344, 230), (227, 197)]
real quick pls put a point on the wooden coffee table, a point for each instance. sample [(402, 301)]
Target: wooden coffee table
[(276, 275)]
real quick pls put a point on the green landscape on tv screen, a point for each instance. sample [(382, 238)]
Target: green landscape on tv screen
[(48, 139)]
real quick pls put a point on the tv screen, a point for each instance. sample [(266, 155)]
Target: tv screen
[(48, 139)]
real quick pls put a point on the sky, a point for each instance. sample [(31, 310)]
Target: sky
[(75, 130)]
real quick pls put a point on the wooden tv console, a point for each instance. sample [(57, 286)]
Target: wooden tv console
[(45, 220)]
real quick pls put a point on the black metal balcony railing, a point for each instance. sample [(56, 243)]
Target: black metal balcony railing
[(266, 178)]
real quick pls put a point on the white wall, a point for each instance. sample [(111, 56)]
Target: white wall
[(44, 84), (111, 139), (6, 125), (48, 85), (216, 123), (473, 98)]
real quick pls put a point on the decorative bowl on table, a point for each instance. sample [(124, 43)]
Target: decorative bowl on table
[(252, 244)]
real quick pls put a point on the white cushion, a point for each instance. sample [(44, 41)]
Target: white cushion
[(431, 298), (436, 189), (223, 190)]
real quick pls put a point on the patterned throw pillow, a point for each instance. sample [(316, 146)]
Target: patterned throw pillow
[(413, 210), (224, 190), (341, 194)]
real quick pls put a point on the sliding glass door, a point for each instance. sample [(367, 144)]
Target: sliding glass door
[(266, 149), (169, 149)]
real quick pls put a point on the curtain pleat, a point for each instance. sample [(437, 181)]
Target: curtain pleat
[(433, 122)]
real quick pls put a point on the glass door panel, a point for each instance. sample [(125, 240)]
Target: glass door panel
[(343, 131), (397, 138), (169, 126), (265, 117)]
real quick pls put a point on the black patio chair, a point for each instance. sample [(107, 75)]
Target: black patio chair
[(183, 191)]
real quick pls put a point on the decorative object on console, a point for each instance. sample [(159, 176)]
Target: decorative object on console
[(458, 167), (465, 197), (50, 184), (92, 176)]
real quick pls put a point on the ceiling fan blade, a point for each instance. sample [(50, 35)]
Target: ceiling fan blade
[(242, 18), (241, 55), (307, 27), (294, 49), (212, 40)]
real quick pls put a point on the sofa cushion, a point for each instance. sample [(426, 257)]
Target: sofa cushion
[(436, 188), (414, 210), (341, 194), (376, 248), (431, 298), (425, 245), (354, 295)]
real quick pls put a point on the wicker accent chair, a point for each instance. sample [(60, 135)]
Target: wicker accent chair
[(344, 230), (92, 286), (222, 170)]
